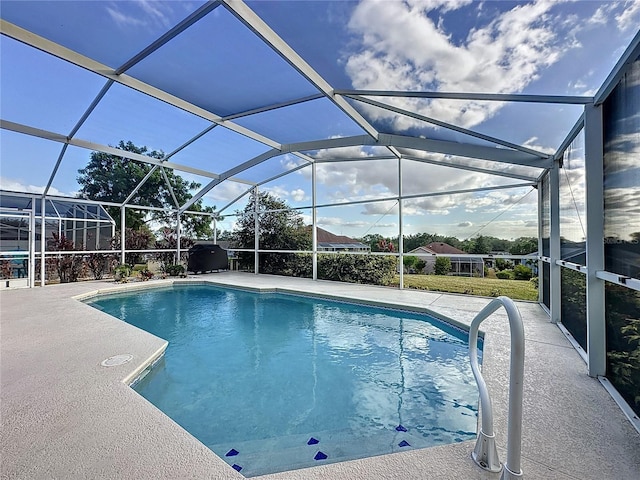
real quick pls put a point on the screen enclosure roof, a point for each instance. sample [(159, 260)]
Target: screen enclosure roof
[(241, 94)]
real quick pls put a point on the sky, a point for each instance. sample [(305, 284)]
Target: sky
[(552, 48)]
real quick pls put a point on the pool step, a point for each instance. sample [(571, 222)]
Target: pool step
[(259, 457)]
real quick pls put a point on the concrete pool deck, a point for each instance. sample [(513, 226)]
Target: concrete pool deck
[(65, 416)]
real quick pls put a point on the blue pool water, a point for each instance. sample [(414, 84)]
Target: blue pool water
[(273, 382)]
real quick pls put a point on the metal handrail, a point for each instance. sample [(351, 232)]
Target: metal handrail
[(485, 453)]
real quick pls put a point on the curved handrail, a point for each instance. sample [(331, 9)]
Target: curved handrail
[(485, 453)]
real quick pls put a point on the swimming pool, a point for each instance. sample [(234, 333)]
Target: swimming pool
[(274, 382)]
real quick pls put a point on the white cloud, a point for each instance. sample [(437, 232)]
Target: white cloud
[(342, 222), (141, 13), (277, 191), (402, 48), (226, 191), (602, 14), (381, 208), (465, 224), (630, 17), (122, 19), (18, 186), (298, 195), (533, 143)]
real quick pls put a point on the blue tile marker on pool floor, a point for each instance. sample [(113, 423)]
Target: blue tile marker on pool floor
[(320, 456)]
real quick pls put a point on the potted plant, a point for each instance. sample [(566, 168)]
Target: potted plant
[(174, 270), (122, 272)]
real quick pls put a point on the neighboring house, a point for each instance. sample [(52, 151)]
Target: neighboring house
[(462, 266), (329, 242)]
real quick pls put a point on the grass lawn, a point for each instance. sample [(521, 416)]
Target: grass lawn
[(486, 287)]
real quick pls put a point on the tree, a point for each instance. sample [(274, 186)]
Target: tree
[(480, 245), (442, 266), (280, 228), (372, 240), (413, 241), (524, 246), (112, 178)]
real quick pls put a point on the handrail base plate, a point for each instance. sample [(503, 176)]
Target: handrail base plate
[(485, 453)]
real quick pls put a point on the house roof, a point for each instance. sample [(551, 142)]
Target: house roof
[(441, 247), (328, 237)]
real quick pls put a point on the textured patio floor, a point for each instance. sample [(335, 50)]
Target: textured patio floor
[(65, 416)]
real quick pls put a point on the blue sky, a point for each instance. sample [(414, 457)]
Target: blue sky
[(556, 48)]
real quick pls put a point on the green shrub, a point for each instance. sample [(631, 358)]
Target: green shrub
[(504, 274), (409, 261), (174, 270), (297, 265), (534, 281), (369, 269), (502, 264), (522, 272), (420, 264), (442, 266)]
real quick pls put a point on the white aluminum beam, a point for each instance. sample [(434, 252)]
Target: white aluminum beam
[(168, 36), (356, 159), (594, 174), (628, 57), (263, 31), (424, 195), (275, 106), (190, 141), (142, 182), (502, 155), (235, 200), (56, 137), (280, 175), (173, 195), (541, 285), (623, 280), (314, 224), (470, 168), (554, 244), (256, 232), (400, 228), (571, 136), (465, 150), (486, 97), (75, 129), (228, 174), (448, 126)]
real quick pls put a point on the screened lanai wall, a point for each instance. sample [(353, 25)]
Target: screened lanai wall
[(281, 112), (31, 225)]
